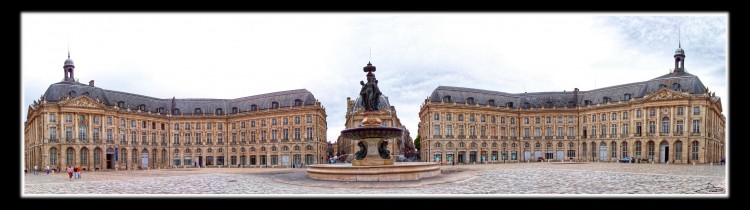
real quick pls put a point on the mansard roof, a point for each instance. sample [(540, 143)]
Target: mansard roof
[(110, 98), (677, 80)]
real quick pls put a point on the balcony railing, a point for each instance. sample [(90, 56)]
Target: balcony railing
[(164, 143), (514, 138), (493, 137), (472, 136), (220, 143), (176, 143), (482, 137), (613, 136), (559, 137), (437, 136), (678, 133), (461, 136), (571, 137), (548, 137), (449, 136), (604, 136), (695, 134), (526, 138), (308, 139), (110, 142), (537, 137)]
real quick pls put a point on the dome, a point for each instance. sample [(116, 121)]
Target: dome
[(679, 51), (69, 62)]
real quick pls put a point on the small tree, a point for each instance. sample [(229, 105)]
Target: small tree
[(417, 143)]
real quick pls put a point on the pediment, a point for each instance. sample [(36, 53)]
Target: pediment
[(666, 94), (83, 101)]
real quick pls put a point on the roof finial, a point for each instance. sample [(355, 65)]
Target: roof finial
[(679, 37), (68, 46)]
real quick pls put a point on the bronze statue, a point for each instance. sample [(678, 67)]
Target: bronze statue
[(383, 150), (359, 155), (370, 93)]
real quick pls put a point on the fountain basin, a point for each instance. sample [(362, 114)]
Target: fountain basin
[(371, 132), (401, 171)]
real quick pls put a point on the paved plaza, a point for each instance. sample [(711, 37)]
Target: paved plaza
[(517, 178)]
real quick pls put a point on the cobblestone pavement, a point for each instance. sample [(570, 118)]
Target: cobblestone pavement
[(518, 178)]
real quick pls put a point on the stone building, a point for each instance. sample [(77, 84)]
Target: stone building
[(672, 118), (78, 124)]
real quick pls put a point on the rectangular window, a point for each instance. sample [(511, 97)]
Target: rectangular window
[(209, 138), (52, 118), (625, 129), (234, 126), (638, 128), (273, 134), (448, 117), (625, 115), (525, 132), (559, 131), (537, 120), (296, 134), (144, 137), (638, 113), (274, 159), (309, 133), (252, 124), (309, 119), (262, 123), (651, 112), (679, 126), (502, 120), (252, 136), (696, 110), (651, 127), (132, 123), (163, 138), (52, 133), (122, 136), (513, 132), (570, 119), (679, 110), (696, 126), (437, 130), (96, 119), (96, 134), (122, 122), (176, 139), (176, 126), (263, 136), (69, 118), (208, 126), (604, 117), (220, 126), (526, 121), (187, 126), (437, 116), (571, 132), (559, 120), (449, 130), (220, 138), (614, 129), (109, 134), (614, 116), (198, 126), (198, 138)]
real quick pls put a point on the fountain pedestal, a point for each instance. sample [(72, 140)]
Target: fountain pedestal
[(373, 157)]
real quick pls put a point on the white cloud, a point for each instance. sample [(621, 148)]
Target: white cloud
[(231, 55)]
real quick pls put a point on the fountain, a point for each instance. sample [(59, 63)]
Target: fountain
[(373, 161)]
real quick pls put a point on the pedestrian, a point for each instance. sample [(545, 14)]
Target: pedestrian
[(47, 169), (77, 172), (25, 171), (35, 168), (70, 172)]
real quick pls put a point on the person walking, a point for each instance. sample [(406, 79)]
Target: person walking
[(70, 172), (47, 169), (77, 172), (35, 168)]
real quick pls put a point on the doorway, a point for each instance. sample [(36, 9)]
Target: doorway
[(110, 158), (664, 152)]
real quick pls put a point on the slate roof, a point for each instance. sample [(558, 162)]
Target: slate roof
[(110, 98), (678, 80)]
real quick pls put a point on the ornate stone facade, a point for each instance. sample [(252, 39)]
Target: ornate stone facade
[(78, 124), (672, 118)]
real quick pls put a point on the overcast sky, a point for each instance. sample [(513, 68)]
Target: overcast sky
[(232, 55)]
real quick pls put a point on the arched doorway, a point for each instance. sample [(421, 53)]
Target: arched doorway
[(602, 151), (144, 159), (110, 159), (153, 158), (70, 156), (663, 152)]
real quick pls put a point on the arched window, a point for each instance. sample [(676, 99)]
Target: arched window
[(187, 151), (252, 149), (484, 144), (549, 144), (234, 149), (450, 145), (53, 156), (570, 144), (221, 150), (437, 145), (198, 111), (446, 99), (662, 86), (297, 148), (209, 150), (253, 107), (461, 144), (273, 148), (219, 111), (70, 156), (537, 145), (494, 145), (308, 147), (176, 151), (473, 145), (121, 104), (559, 144), (284, 148), (198, 150), (526, 145), (513, 145), (297, 102), (242, 149), (85, 93), (274, 105), (470, 100)]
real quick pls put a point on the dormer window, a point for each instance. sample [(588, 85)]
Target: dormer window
[(587, 102), (470, 100), (274, 105), (446, 99), (606, 99), (121, 104), (297, 102), (235, 110), (662, 86), (548, 104), (142, 107), (160, 110), (627, 96), (526, 105), (491, 102), (72, 94), (87, 93), (676, 86), (219, 111), (198, 111), (253, 107), (510, 104), (175, 111)]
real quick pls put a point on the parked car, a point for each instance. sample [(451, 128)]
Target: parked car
[(626, 160)]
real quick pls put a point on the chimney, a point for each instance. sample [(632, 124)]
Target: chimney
[(575, 97), (91, 83)]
